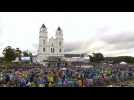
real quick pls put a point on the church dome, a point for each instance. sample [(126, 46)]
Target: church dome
[(59, 29), (43, 26), (59, 33)]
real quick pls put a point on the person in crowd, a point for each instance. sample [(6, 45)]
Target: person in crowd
[(71, 77)]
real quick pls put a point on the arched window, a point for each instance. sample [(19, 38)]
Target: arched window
[(51, 50), (60, 43), (43, 41), (60, 50), (43, 49)]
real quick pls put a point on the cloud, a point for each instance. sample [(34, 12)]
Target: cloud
[(1, 48), (124, 40), (109, 44), (1, 27), (119, 37), (35, 45), (72, 46)]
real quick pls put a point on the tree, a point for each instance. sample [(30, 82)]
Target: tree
[(25, 53), (96, 58), (28, 54), (118, 59), (9, 54), (91, 58), (18, 53), (1, 59)]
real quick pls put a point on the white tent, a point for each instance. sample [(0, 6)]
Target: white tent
[(25, 58), (124, 63), (86, 66), (63, 69)]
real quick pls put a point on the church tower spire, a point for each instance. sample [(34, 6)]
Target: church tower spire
[(43, 28), (59, 33)]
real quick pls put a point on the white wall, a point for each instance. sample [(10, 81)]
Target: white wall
[(48, 45)]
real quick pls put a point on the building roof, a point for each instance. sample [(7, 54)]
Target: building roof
[(73, 55), (34, 55)]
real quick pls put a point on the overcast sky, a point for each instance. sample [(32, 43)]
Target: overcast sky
[(111, 33)]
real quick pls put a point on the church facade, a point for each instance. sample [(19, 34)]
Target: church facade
[(53, 47)]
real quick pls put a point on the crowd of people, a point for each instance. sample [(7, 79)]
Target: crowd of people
[(64, 77)]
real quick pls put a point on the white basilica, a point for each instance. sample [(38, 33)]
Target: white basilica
[(53, 47)]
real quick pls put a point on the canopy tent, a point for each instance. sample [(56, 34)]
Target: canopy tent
[(63, 69), (87, 66), (25, 59), (123, 63)]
